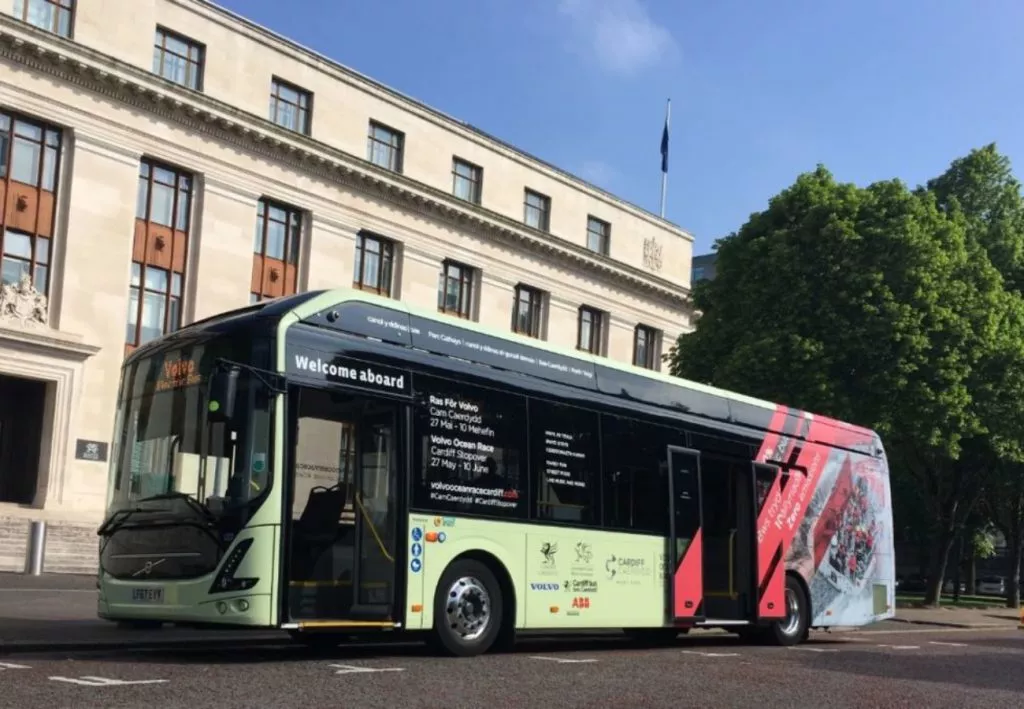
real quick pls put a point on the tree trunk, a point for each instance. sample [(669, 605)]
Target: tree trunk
[(1013, 582), (942, 544), (972, 571)]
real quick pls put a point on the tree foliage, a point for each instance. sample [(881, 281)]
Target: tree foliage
[(887, 307)]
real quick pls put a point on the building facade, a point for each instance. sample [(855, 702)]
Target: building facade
[(181, 161)]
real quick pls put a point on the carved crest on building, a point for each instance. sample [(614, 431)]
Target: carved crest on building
[(22, 303), (652, 254)]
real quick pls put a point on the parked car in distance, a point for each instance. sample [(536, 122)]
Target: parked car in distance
[(991, 586)]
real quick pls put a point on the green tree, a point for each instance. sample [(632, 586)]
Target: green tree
[(871, 305)]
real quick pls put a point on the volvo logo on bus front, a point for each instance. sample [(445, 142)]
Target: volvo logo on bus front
[(148, 567)]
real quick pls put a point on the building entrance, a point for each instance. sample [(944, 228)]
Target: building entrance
[(21, 427)]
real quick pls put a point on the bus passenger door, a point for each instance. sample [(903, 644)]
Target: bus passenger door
[(685, 547), (342, 524), (770, 579)]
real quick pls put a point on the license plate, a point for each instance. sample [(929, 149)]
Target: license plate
[(148, 595)]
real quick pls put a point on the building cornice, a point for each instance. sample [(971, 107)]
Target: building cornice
[(114, 79)]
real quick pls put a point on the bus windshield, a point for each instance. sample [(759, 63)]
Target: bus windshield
[(169, 458)]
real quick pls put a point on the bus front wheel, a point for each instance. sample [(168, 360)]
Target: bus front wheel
[(467, 609)]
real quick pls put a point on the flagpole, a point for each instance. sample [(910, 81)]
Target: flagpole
[(664, 172)]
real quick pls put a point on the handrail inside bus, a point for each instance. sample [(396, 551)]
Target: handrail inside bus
[(373, 530)]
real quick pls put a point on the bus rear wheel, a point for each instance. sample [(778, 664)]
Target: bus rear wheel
[(467, 609), (792, 629)]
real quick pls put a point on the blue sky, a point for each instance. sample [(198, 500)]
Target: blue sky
[(761, 91)]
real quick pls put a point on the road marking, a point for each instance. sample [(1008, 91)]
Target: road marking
[(12, 666), (352, 669), (902, 647), (936, 642), (90, 681), (814, 649), (710, 654), (562, 660), (987, 628)]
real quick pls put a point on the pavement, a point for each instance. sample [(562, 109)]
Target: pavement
[(55, 652), (912, 667)]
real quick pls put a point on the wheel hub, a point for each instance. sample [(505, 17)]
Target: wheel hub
[(792, 621), (468, 608)]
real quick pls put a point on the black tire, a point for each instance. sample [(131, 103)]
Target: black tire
[(467, 585), (795, 627)]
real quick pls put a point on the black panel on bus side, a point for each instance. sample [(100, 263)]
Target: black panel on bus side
[(643, 389), (367, 320), (443, 338)]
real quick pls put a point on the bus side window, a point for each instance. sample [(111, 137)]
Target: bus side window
[(634, 455), (564, 462)]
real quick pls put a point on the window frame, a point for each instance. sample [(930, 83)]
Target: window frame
[(597, 330), (543, 210), (68, 6), (294, 224), (475, 180), (196, 69), (653, 336), (395, 147), (535, 305), (303, 108), (385, 263), (467, 286), (603, 235)]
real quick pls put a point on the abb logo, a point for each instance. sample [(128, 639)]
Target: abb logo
[(581, 602)]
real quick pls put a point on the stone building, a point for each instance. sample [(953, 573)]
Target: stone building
[(164, 160)]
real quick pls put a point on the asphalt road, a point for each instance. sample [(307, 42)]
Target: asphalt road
[(881, 668)]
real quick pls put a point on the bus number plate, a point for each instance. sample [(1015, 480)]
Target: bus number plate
[(148, 595)]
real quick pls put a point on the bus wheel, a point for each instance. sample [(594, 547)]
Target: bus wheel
[(467, 609), (794, 627)]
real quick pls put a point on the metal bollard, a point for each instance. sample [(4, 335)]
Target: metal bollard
[(35, 551)]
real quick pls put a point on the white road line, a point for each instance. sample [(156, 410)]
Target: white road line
[(12, 666), (814, 649), (562, 660), (902, 647), (710, 654), (976, 629), (936, 642), (352, 669), (90, 681)]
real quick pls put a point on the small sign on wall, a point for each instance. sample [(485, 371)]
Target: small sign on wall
[(91, 450)]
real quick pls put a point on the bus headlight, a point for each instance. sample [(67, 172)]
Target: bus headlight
[(226, 580)]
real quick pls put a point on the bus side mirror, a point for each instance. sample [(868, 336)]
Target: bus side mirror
[(220, 405)]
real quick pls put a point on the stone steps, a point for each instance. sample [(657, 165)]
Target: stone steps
[(70, 548)]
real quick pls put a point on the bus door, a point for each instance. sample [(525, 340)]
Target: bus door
[(342, 526), (685, 567), (771, 566)]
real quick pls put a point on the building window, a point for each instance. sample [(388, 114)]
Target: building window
[(374, 264), (537, 210), (29, 159), (598, 235), (645, 347), (178, 58), (467, 180), (590, 323), (290, 106), (154, 303), (697, 274), (384, 147), (526, 311), (275, 258), (51, 15), (159, 252), (455, 289)]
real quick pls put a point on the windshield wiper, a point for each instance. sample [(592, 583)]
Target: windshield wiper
[(192, 502)]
